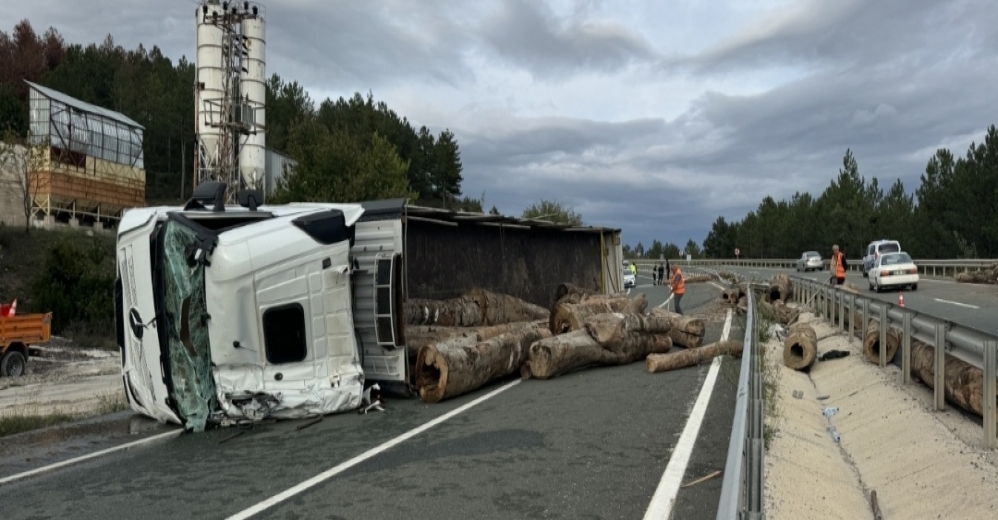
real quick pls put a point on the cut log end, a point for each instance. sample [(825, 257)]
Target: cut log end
[(431, 375), (800, 350)]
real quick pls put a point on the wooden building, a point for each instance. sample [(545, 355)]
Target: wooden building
[(86, 161)]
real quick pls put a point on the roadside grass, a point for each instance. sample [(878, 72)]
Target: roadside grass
[(771, 375), (25, 420)]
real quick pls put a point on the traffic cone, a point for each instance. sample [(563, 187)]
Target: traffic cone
[(901, 299)]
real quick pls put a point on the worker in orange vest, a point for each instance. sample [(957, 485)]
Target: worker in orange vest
[(678, 286), (837, 266)]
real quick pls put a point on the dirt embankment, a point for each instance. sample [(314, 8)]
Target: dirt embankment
[(63, 378)]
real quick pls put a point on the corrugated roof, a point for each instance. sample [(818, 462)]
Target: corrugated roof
[(83, 106)]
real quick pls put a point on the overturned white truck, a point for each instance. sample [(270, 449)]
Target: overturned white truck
[(229, 314)]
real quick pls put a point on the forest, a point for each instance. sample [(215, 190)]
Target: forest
[(952, 214), (339, 144)]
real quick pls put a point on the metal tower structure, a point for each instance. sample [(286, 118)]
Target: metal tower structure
[(228, 114)]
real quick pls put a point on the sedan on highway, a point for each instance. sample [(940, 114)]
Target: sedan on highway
[(894, 270), (810, 260), (629, 279)]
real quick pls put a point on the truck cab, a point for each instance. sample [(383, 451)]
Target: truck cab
[(229, 314)]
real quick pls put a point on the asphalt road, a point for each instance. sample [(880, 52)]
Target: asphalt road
[(591, 444), (972, 305)]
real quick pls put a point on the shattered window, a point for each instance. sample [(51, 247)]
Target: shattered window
[(187, 326), (284, 334)]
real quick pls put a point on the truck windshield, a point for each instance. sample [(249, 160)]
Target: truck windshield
[(183, 321)]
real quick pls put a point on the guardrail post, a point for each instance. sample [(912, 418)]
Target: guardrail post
[(939, 380), (842, 310), (852, 314), (906, 350), (883, 335), (866, 319), (990, 353)]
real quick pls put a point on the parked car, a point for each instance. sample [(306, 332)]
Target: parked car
[(629, 278), (893, 270), (810, 260), (877, 248)]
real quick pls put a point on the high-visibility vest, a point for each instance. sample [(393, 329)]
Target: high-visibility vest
[(840, 271), (678, 282)]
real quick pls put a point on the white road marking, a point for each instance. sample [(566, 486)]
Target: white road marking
[(665, 495), (715, 284), (50, 467), (967, 305), (332, 472)]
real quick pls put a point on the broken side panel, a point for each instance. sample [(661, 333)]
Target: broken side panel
[(185, 324)]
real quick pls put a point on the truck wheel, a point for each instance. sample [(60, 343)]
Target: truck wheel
[(12, 364)]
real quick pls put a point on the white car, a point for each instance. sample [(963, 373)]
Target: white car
[(810, 260), (893, 270), (629, 279)]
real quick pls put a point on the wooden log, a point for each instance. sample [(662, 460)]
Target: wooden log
[(778, 290), (570, 289), (851, 287), (566, 317), (988, 275), (685, 331), (444, 371), (872, 346), (475, 308), (963, 382), (501, 308), (578, 349), (691, 357), (778, 312), (732, 295), (800, 350)]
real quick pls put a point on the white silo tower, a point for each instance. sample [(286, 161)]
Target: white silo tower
[(209, 89), (252, 87)]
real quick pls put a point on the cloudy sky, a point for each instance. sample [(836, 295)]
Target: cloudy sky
[(653, 116)]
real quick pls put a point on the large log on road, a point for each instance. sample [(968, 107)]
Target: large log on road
[(779, 288), (800, 350), (451, 368), (503, 308), (691, 357), (963, 382), (872, 346), (685, 331), (779, 312), (566, 317), (985, 275), (606, 339)]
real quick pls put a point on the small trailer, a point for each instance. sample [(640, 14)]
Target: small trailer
[(17, 333)]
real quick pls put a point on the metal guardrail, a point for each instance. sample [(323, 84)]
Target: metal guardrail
[(937, 268), (742, 487), (970, 345)]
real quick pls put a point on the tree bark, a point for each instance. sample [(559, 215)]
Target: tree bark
[(568, 290), (732, 295), (800, 350), (963, 382), (566, 317), (685, 331), (449, 369), (579, 349), (779, 312), (985, 275), (691, 357), (475, 308), (872, 346)]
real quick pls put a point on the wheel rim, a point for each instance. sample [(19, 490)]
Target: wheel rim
[(16, 367)]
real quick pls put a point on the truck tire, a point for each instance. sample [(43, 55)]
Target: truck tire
[(13, 364)]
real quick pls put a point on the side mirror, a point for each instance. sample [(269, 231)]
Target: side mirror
[(251, 199)]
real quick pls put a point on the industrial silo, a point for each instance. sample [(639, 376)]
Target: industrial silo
[(209, 89), (252, 87)]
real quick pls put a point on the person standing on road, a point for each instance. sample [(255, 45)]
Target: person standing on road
[(661, 273), (634, 269), (837, 266), (678, 283), (654, 275)]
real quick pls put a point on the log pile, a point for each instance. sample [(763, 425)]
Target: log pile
[(963, 382), (986, 275), (566, 317), (729, 276), (605, 339), (683, 330), (732, 295), (872, 346), (692, 357), (462, 344), (800, 350)]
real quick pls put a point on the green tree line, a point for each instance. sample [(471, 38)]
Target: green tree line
[(953, 213), (347, 148)]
